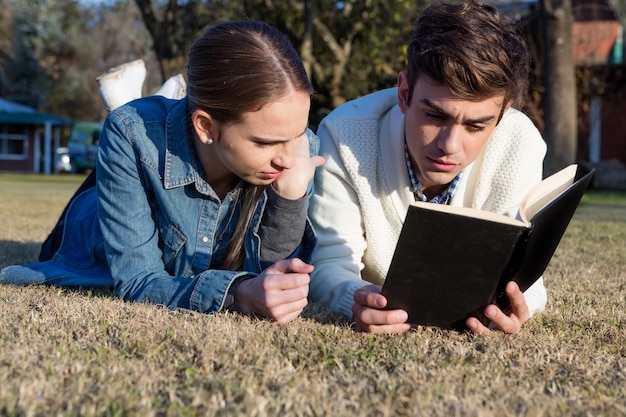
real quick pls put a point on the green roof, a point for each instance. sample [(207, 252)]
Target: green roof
[(33, 119)]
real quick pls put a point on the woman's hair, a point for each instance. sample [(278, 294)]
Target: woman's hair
[(238, 67), (473, 49)]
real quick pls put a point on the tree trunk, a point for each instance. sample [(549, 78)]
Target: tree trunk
[(560, 114), (306, 50), (162, 33)]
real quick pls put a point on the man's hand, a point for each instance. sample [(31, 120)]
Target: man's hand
[(279, 293), (511, 323), (368, 302)]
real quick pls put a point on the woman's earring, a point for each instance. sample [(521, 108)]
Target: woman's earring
[(209, 141)]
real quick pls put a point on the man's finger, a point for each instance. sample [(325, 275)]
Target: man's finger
[(519, 308), (370, 296), (383, 329)]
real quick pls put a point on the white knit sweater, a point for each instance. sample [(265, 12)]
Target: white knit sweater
[(363, 191)]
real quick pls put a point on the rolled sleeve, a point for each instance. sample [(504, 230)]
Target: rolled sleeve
[(210, 291)]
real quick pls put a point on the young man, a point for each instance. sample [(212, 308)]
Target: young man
[(448, 134)]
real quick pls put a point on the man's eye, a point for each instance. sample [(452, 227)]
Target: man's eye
[(435, 116), (475, 128)]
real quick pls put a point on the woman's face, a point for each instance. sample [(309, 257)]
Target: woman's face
[(260, 147)]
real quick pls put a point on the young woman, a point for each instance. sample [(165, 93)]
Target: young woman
[(200, 203)]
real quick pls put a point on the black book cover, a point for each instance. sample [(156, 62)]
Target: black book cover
[(548, 226), (449, 266)]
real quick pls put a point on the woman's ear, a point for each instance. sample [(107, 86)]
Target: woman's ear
[(204, 126)]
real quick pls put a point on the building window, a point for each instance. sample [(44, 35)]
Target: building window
[(13, 141)]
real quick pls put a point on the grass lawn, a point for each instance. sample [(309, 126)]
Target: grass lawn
[(74, 352)]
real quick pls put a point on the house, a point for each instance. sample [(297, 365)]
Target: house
[(596, 33), (28, 139), (597, 43), (598, 48)]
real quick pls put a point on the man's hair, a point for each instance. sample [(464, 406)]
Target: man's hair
[(471, 48)]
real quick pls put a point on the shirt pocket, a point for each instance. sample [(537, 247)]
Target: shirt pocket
[(173, 240)]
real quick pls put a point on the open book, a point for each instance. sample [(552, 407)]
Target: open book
[(451, 262)]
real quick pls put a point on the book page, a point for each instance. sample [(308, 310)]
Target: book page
[(470, 212), (546, 191)]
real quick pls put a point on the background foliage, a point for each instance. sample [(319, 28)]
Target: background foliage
[(51, 51)]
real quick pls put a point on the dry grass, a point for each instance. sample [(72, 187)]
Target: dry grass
[(81, 352)]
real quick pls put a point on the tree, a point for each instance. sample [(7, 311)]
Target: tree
[(119, 35), (162, 32), (5, 41), (560, 108), (24, 77), (55, 49), (173, 27), (349, 47), (360, 46), (69, 60)]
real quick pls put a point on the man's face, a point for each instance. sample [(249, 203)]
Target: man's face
[(444, 134)]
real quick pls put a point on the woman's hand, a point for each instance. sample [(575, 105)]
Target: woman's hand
[(279, 293), (293, 183)]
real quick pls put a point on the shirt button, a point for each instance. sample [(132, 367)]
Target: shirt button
[(205, 239)]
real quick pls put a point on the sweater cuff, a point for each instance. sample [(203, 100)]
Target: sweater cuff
[(345, 303), (282, 228), (278, 201), (536, 297)]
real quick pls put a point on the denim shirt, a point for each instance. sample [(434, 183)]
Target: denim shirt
[(162, 228)]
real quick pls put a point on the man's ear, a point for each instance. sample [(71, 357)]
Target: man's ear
[(204, 126), (505, 108), (403, 92)]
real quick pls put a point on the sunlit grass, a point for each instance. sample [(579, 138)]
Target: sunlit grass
[(605, 197), (82, 352)]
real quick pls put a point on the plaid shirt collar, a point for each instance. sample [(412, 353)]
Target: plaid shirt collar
[(442, 198)]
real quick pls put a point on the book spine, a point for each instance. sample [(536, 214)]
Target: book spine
[(515, 262)]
